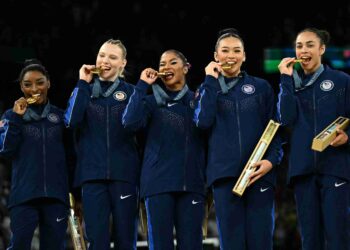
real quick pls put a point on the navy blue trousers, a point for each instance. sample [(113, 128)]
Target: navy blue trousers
[(185, 211), (323, 206), (247, 222), (102, 199), (47, 213)]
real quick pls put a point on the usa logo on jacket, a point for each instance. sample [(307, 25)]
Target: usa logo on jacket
[(248, 89), (2, 124), (327, 85), (119, 96), (53, 118)]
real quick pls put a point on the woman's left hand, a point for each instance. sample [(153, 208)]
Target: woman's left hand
[(262, 168), (340, 139), (149, 76)]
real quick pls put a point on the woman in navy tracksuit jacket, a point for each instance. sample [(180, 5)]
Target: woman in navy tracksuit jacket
[(31, 135), (108, 159), (172, 176), (236, 108), (307, 105)]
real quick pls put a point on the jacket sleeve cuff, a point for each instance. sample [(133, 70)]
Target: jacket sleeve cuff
[(82, 84), (272, 160), (348, 133), (142, 86), (287, 80), (212, 82), (15, 118)]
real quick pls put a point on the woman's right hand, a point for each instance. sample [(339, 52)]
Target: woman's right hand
[(20, 106), (149, 75), (85, 72), (213, 69), (286, 65)]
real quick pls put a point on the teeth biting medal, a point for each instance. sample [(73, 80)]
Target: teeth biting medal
[(34, 98)]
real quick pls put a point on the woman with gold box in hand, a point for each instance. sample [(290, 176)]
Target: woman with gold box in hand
[(31, 134), (309, 101), (236, 108)]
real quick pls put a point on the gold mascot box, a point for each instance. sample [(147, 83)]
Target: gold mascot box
[(323, 139)]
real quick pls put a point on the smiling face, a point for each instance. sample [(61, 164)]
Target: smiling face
[(176, 69), (230, 51), (35, 83), (111, 59), (308, 47)]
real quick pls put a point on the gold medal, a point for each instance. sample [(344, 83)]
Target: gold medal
[(33, 99)]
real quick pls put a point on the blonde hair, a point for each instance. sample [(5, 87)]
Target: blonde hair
[(122, 47)]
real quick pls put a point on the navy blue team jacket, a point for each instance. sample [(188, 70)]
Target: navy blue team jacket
[(309, 111), (105, 150), (236, 121), (174, 156), (38, 156)]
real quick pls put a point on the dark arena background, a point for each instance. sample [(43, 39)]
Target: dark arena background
[(65, 34)]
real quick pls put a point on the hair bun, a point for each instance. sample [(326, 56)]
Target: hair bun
[(31, 61), (228, 31)]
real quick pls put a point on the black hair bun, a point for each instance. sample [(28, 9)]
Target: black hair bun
[(228, 31), (31, 61)]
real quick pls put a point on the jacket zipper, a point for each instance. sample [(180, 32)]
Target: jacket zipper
[(44, 157), (187, 128), (239, 131), (108, 143), (315, 125)]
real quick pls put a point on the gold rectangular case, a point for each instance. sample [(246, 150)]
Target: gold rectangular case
[(256, 156), (323, 139), (75, 228), (143, 217)]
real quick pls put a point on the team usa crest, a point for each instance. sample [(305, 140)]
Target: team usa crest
[(119, 96), (327, 85), (192, 104), (248, 89), (53, 118), (2, 123), (196, 94)]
